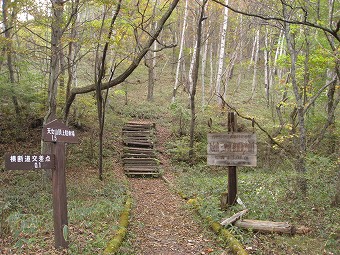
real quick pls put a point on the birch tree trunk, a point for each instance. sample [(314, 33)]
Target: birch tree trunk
[(211, 64), (151, 63), (240, 57), (253, 49), (180, 55), (256, 58), (191, 69), (204, 64), (266, 67), (221, 53)]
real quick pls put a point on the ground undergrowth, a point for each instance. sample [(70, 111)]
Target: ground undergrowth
[(94, 206), (93, 210), (268, 191), (269, 195)]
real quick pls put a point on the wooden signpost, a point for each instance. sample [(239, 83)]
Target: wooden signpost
[(59, 134), (232, 149)]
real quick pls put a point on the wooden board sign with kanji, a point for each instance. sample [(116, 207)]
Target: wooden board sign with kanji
[(232, 149), (29, 161), (56, 131)]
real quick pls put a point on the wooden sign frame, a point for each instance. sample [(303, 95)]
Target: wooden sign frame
[(232, 149)]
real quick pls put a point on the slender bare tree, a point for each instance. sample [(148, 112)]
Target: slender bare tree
[(221, 53), (181, 47)]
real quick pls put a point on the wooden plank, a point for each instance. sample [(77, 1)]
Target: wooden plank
[(139, 160), (233, 218), (146, 144), (141, 174), (137, 134), (138, 139), (137, 150), (141, 167), (139, 155), (138, 127)]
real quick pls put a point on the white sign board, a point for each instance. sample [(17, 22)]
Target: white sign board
[(232, 149)]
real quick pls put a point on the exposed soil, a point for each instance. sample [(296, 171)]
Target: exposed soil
[(160, 222)]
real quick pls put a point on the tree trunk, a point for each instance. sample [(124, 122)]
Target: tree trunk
[(101, 102), (9, 49), (56, 35), (152, 61), (181, 47), (240, 57), (204, 64), (336, 199), (173, 55), (256, 58), (306, 68), (211, 64), (266, 68), (300, 165), (71, 57), (195, 78), (191, 69), (221, 54)]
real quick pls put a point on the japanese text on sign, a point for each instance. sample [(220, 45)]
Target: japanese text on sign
[(232, 149), (27, 162), (60, 132), (56, 131)]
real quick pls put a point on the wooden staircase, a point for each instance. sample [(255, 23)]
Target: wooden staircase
[(139, 158)]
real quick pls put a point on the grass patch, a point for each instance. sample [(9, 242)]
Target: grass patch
[(93, 211), (270, 195)]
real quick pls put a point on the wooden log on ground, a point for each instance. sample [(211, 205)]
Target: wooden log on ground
[(266, 226), (233, 218)]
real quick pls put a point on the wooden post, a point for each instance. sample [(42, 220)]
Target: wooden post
[(59, 196), (232, 176), (59, 134)]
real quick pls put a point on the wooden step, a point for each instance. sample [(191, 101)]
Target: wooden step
[(139, 155)]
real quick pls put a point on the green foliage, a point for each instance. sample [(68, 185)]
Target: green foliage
[(145, 110), (271, 195), (93, 209), (180, 119)]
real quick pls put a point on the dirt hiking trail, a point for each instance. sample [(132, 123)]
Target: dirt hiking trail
[(160, 222)]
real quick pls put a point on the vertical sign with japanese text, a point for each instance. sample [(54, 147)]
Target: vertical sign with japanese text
[(56, 131)]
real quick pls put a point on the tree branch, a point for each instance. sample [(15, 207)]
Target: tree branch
[(334, 32), (254, 122), (312, 101), (7, 29), (134, 64)]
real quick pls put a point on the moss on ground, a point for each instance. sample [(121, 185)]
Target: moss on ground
[(117, 240)]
